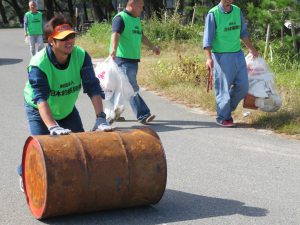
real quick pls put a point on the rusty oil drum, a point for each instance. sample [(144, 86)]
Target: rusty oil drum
[(93, 171)]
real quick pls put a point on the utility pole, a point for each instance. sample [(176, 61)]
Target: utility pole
[(194, 12)]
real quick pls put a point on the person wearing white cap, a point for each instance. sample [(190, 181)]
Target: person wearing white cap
[(55, 77)]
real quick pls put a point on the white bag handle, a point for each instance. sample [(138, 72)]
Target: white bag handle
[(107, 59)]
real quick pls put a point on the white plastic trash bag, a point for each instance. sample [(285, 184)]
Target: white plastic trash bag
[(257, 67), (258, 88), (270, 104), (123, 87), (116, 87), (108, 81), (261, 84)]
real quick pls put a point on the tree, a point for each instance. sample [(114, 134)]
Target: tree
[(187, 6), (71, 8), (20, 13), (153, 6), (102, 9), (271, 16), (3, 14), (49, 9), (271, 12)]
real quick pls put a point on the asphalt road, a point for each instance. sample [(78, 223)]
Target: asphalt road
[(215, 175)]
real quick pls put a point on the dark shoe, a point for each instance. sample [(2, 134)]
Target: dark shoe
[(147, 120), (110, 121), (225, 123), (150, 118), (118, 112), (117, 116), (121, 119)]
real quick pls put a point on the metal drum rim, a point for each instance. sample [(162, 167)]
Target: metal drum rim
[(38, 213)]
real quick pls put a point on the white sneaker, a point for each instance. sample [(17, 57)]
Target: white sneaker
[(21, 184), (104, 127)]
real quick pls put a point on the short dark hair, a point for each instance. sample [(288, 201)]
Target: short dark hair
[(132, 2), (54, 22)]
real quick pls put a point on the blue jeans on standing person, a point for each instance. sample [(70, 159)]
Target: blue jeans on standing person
[(138, 105), (230, 81)]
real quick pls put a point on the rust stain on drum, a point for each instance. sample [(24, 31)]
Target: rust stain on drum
[(35, 177), (93, 171)]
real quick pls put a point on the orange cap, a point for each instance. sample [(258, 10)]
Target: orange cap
[(62, 31)]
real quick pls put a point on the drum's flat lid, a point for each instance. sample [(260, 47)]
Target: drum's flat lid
[(34, 177)]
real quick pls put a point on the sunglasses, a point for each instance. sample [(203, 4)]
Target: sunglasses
[(70, 36)]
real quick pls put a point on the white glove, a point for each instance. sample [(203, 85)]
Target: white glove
[(101, 124), (57, 130)]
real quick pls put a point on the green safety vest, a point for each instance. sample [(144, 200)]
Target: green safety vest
[(129, 46), (64, 84), (34, 23), (228, 30)]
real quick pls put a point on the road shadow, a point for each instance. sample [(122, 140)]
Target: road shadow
[(174, 125), (175, 206), (7, 61)]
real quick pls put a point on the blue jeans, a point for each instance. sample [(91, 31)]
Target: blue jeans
[(138, 105), (230, 81), (37, 126)]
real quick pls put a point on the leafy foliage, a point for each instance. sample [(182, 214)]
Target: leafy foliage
[(170, 28), (271, 12), (100, 32), (185, 70)]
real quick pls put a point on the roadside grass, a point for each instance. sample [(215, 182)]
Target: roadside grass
[(96, 40), (179, 74)]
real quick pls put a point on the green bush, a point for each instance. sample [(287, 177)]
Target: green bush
[(99, 33), (96, 40), (184, 70), (170, 29)]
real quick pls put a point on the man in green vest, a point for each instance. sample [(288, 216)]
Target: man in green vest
[(33, 26), (125, 49), (55, 77), (224, 28)]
